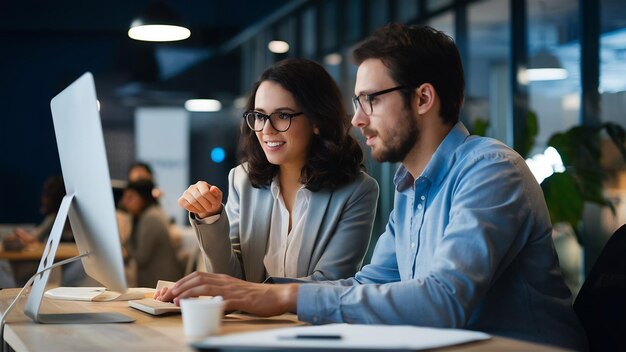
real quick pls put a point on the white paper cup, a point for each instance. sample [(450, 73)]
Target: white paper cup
[(202, 316)]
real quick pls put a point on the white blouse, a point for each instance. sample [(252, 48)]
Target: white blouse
[(283, 248)]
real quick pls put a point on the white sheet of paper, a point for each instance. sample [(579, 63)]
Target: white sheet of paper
[(395, 337), (96, 294)]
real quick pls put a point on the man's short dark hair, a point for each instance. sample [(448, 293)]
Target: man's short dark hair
[(416, 55)]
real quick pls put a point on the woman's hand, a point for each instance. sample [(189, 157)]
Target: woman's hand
[(202, 199), (259, 299), (24, 237)]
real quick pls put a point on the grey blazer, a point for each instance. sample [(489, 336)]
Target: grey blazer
[(336, 233)]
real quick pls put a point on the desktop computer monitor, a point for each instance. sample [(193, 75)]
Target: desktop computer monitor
[(88, 202)]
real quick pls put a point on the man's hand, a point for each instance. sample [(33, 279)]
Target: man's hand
[(259, 299), (202, 199)]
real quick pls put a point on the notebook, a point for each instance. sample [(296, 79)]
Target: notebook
[(153, 306)]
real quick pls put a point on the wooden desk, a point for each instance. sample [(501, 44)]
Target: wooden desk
[(150, 333), (24, 263), (64, 251)]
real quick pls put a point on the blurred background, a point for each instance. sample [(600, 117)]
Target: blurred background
[(145, 87)]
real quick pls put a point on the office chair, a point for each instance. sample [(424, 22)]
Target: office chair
[(601, 302)]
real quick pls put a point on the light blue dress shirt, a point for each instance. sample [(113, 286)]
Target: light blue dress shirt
[(468, 245)]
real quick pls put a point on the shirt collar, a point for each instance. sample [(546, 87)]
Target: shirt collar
[(441, 161), (275, 189)]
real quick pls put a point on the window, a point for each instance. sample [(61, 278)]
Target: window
[(444, 23), (553, 40), (488, 93)]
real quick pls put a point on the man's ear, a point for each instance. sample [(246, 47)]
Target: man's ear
[(425, 98), (316, 130)]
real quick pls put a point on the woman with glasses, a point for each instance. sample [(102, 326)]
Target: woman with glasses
[(299, 206)]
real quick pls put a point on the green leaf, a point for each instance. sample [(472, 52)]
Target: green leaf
[(579, 146), (480, 127), (564, 199), (581, 150), (532, 125), (532, 129)]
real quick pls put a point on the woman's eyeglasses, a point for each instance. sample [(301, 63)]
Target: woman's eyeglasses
[(279, 120)]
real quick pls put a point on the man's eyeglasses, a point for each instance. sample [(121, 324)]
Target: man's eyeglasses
[(279, 120), (365, 100)]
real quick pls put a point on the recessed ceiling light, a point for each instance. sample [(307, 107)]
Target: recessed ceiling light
[(203, 105), (159, 33), (278, 46), (333, 59), (240, 103)]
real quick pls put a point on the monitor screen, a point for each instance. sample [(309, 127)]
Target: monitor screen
[(89, 200)]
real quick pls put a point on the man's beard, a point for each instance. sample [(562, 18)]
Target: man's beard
[(401, 140)]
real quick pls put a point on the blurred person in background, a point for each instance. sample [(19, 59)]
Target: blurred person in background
[(149, 245), (51, 196)]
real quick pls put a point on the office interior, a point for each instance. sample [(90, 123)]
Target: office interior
[(144, 88)]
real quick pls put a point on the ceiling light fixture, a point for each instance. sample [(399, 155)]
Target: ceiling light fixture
[(333, 59), (240, 102), (544, 65), (203, 105), (158, 23), (278, 46)]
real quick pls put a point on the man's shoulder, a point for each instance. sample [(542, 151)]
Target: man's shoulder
[(478, 148)]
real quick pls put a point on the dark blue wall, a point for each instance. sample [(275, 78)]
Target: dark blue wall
[(32, 71)]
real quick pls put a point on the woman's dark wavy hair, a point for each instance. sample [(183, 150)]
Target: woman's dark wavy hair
[(144, 189), (335, 157), (416, 55)]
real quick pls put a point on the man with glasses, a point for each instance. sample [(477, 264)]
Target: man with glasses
[(468, 244)]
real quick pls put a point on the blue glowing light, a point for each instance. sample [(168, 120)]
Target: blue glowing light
[(218, 155)]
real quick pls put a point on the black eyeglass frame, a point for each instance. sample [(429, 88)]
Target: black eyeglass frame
[(356, 102), (281, 115)]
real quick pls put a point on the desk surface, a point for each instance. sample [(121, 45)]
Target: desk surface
[(34, 252), (150, 333)]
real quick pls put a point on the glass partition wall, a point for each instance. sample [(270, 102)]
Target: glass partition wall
[(504, 45)]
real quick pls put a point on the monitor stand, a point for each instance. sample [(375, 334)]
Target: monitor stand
[(43, 272)]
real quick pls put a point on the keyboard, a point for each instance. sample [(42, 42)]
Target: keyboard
[(153, 306)]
